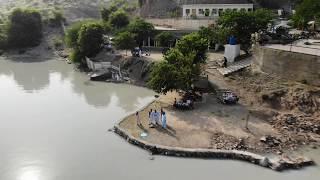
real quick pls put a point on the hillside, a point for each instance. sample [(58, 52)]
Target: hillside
[(73, 9)]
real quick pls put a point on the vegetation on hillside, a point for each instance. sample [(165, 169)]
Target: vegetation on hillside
[(25, 28), (307, 10)]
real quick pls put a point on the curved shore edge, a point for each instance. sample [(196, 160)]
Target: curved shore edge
[(263, 161), (277, 165)]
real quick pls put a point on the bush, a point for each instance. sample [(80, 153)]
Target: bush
[(76, 56), (107, 28), (105, 14), (25, 28), (72, 34)]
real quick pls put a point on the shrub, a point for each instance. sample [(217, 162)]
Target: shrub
[(25, 28), (76, 56)]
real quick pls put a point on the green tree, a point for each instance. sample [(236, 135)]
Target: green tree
[(194, 42), (141, 29), (25, 28), (119, 19), (215, 35), (72, 34), (125, 41), (90, 38), (242, 24), (166, 39), (176, 72), (307, 10), (105, 14)]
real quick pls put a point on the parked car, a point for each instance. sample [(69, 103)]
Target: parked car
[(226, 96)]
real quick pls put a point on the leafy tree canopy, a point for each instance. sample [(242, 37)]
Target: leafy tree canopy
[(242, 24), (72, 34), (193, 42), (105, 14), (166, 39), (25, 28), (125, 41), (90, 38), (176, 72), (141, 29), (119, 19), (307, 10)]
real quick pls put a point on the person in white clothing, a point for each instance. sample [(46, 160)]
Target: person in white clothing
[(156, 116)]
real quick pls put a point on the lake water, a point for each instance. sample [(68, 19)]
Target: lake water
[(54, 126)]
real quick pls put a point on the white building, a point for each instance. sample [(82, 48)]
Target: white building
[(214, 8)]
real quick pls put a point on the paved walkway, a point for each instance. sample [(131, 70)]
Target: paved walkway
[(298, 48)]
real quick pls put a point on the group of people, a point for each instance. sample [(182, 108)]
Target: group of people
[(155, 118)]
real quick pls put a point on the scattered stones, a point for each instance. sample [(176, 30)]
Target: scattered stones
[(270, 140)]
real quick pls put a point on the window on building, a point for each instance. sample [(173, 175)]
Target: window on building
[(201, 11), (187, 12), (214, 11), (235, 9), (242, 9), (249, 9), (207, 12), (194, 12)]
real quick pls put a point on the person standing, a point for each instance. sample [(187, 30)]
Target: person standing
[(164, 120), (150, 117), (138, 119), (156, 117)]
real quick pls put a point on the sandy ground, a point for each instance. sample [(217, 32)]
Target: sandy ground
[(204, 127), (155, 56), (213, 125)]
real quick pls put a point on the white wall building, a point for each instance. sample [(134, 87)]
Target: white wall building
[(212, 10)]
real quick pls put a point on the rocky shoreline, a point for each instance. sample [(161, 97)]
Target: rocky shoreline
[(277, 165)]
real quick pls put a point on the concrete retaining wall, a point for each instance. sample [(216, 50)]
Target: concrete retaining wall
[(290, 65), (181, 23)]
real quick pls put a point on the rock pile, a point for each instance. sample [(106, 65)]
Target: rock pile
[(297, 123), (271, 141)]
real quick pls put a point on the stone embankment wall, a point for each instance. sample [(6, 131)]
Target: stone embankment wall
[(155, 149), (289, 65), (181, 23)]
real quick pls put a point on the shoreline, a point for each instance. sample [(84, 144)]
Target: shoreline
[(263, 161), (205, 153)]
